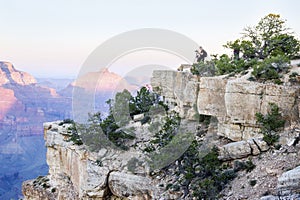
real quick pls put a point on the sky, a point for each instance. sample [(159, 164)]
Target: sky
[(54, 38)]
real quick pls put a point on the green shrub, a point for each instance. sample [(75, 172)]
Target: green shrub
[(166, 133), (74, 137), (271, 68), (143, 101), (66, 121), (204, 68), (248, 165), (270, 123), (226, 65), (101, 132), (293, 78), (252, 182), (294, 74), (199, 177), (99, 163), (204, 119), (41, 181)]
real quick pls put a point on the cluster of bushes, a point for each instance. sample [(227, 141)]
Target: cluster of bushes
[(41, 181), (271, 69), (220, 65), (102, 131), (75, 137), (203, 177), (199, 177), (248, 165), (267, 47)]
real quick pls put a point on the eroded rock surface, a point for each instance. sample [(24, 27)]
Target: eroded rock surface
[(289, 182), (232, 102)]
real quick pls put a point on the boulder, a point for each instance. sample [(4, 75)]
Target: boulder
[(241, 149), (129, 185), (289, 182), (235, 150)]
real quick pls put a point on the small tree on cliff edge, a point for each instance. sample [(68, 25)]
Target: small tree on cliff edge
[(269, 38)]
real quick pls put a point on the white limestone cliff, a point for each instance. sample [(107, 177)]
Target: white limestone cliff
[(76, 173)]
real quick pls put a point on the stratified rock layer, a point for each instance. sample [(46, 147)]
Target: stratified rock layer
[(24, 105), (77, 173), (234, 101)]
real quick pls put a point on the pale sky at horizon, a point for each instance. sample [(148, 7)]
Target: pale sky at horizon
[(53, 38)]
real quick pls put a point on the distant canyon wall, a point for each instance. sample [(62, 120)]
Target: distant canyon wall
[(24, 105)]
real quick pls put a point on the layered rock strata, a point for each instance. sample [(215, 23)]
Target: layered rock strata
[(76, 173), (234, 101)]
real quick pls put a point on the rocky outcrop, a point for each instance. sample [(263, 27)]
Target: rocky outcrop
[(179, 89), (234, 101), (89, 175), (129, 185), (289, 182), (121, 174), (8, 74), (242, 149), (288, 186)]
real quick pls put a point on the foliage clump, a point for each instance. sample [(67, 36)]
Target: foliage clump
[(66, 121), (74, 137), (267, 47), (247, 165), (200, 177), (204, 68), (271, 69), (269, 38), (166, 133), (144, 101), (271, 123), (41, 181), (253, 182), (111, 130)]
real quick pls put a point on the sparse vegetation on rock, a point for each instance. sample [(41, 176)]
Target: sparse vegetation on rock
[(271, 123), (163, 136), (74, 135), (100, 131), (267, 47)]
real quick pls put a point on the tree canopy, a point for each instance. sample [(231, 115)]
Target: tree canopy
[(270, 37), (266, 47)]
